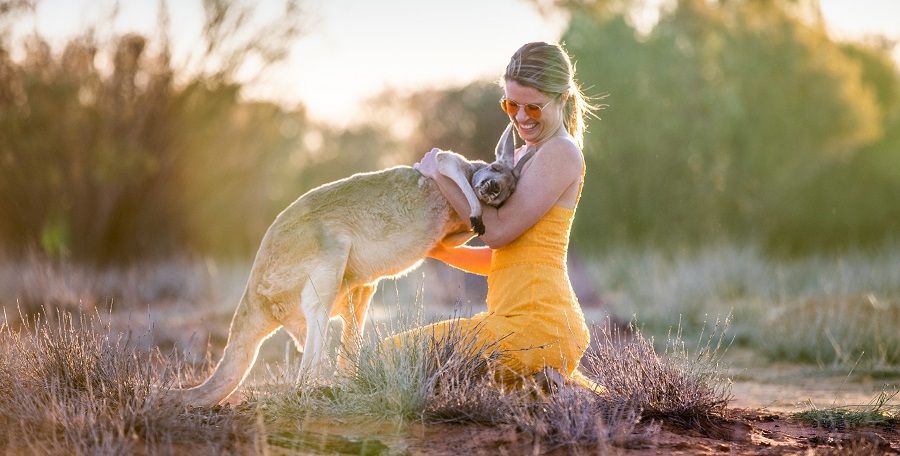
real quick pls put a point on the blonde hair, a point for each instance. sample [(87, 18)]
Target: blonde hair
[(548, 68)]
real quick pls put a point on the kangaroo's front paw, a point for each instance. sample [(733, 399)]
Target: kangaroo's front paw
[(477, 226)]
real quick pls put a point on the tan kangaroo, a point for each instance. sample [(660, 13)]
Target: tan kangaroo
[(324, 255)]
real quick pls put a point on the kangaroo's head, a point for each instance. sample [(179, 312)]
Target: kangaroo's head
[(494, 183)]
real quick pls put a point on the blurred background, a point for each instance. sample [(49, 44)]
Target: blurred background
[(746, 161), (142, 129)]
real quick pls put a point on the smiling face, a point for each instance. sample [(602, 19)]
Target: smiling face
[(534, 131)]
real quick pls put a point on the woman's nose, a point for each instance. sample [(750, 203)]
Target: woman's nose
[(520, 115)]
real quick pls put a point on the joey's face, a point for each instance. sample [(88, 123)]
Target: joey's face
[(493, 184)]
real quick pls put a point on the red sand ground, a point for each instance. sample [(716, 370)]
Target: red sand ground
[(743, 432), (746, 432)]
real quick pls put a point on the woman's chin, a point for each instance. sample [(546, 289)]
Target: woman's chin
[(528, 133)]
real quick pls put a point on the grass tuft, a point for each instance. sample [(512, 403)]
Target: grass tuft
[(449, 380), (573, 418), (422, 379), (681, 387), (877, 412), (69, 386)]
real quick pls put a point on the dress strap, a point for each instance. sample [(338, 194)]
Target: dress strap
[(528, 154)]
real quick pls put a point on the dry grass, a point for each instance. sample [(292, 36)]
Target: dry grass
[(682, 387), (34, 282), (422, 379), (878, 412), (70, 386), (856, 331), (450, 381), (838, 311), (78, 382), (73, 386)]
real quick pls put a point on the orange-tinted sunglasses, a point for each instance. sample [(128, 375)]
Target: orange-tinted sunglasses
[(531, 110)]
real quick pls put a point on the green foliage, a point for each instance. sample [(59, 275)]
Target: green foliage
[(117, 161), (735, 120)]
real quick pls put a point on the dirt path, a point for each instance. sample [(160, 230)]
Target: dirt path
[(758, 383)]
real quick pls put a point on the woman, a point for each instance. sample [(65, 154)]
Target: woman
[(533, 317)]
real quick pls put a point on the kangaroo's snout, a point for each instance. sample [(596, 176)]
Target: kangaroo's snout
[(492, 188), (493, 184), (488, 191), (494, 192)]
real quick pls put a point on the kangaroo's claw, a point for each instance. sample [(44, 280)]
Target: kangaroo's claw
[(477, 226)]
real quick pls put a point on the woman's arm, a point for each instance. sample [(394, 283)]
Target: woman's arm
[(556, 168), (476, 260)]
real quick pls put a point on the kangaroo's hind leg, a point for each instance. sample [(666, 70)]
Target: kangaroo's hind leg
[(318, 296), (353, 312)]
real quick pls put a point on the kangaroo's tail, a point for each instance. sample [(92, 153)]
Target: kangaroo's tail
[(249, 327)]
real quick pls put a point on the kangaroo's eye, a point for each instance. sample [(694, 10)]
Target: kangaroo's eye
[(496, 167)]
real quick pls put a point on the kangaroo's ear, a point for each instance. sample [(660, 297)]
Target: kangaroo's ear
[(506, 147), (529, 152)]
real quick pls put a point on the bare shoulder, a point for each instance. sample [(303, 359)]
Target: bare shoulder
[(560, 154)]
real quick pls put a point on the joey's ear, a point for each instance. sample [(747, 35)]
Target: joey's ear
[(506, 147), (529, 152)]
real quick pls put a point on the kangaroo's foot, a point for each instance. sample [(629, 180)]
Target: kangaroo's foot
[(477, 225)]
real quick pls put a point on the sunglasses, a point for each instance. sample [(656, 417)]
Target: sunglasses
[(531, 110)]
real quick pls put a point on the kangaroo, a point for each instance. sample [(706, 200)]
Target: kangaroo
[(324, 255)]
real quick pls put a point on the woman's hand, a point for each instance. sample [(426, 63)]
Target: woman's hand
[(428, 165)]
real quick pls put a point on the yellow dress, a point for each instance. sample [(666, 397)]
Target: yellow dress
[(533, 317)]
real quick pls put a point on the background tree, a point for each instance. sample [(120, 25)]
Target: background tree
[(467, 120), (141, 160), (723, 123)]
